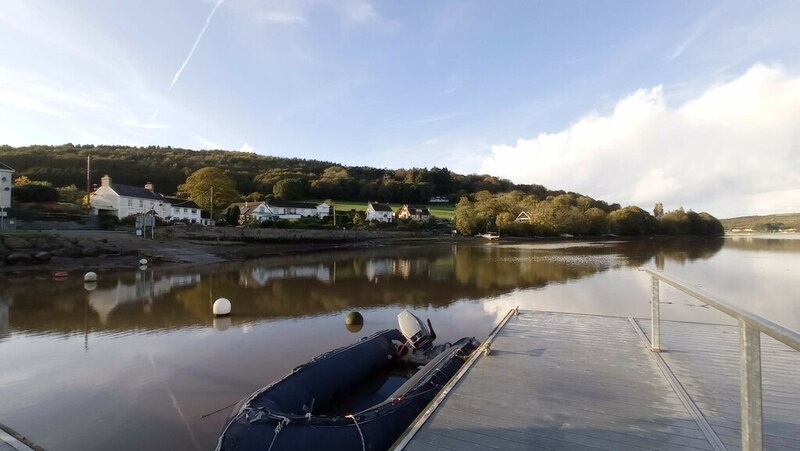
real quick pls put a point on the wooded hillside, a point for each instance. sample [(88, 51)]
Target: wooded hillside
[(168, 167)]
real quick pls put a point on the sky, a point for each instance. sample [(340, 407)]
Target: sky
[(695, 104)]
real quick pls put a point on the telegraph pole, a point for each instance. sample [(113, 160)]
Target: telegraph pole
[(88, 178)]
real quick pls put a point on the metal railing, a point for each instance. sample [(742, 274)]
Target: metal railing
[(751, 326)]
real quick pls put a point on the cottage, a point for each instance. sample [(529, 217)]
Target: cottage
[(125, 200), (184, 210), (415, 213), (271, 210), (5, 186), (523, 218), (379, 212)]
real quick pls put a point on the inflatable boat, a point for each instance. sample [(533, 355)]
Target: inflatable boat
[(359, 397)]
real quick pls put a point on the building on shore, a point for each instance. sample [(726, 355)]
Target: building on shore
[(5, 186), (379, 212), (125, 200), (414, 213)]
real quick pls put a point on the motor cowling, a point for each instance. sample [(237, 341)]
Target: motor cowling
[(417, 335)]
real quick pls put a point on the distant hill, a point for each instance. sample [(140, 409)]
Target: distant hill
[(766, 223), (167, 167)]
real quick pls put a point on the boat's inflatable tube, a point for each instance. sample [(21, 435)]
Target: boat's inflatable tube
[(281, 416)]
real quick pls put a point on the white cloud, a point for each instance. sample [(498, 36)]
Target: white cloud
[(733, 150), (208, 144), (246, 148)]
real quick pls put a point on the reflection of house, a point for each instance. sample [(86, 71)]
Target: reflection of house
[(5, 186), (5, 324), (105, 300), (379, 212), (380, 267), (523, 217), (262, 276), (125, 200), (414, 213)]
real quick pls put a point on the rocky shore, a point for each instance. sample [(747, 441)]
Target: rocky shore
[(67, 250)]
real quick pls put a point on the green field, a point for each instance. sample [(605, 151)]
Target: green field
[(763, 223), (442, 211)]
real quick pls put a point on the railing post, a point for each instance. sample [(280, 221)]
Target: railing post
[(655, 318), (750, 386)]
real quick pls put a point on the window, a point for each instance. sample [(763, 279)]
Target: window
[(141, 203), (176, 210), (4, 178), (130, 202), (194, 211), (186, 210)]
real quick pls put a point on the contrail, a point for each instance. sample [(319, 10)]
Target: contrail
[(194, 47)]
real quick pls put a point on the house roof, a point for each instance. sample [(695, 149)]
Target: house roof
[(416, 210), (177, 202), (284, 204), (5, 167), (380, 207), (135, 191)]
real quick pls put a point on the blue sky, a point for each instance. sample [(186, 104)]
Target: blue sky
[(611, 99)]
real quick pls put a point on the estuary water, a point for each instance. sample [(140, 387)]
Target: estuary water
[(139, 362)]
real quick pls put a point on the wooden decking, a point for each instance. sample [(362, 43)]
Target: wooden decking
[(582, 382)]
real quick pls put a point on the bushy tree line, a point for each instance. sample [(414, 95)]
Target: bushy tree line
[(254, 176), (572, 214)]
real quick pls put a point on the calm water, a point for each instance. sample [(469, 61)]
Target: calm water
[(140, 363)]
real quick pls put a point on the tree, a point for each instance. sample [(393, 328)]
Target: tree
[(632, 220), (289, 189), (465, 220), (232, 215), (658, 211), (199, 184)]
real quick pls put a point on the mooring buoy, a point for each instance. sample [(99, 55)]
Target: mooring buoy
[(90, 277), (221, 307)]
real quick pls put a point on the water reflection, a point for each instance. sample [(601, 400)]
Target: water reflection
[(312, 285), (143, 351)]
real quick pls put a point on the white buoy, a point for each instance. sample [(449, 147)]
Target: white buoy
[(143, 261), (90, 277), (221, 307)]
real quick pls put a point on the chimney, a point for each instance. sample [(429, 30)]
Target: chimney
[(149, 186), (105, 180)]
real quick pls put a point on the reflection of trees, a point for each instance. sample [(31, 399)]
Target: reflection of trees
[(750, 243), (307, 285), (674, 250)]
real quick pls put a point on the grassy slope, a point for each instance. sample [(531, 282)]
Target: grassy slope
[(788, 220), (443, 211)]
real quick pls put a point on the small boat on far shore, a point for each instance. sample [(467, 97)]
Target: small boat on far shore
[(491, 236)]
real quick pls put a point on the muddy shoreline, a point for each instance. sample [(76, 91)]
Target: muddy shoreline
[(118, 250)]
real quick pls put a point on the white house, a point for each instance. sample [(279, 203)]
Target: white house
[(124, 200), (276, 209), (379, 212), (184, 210), (415, 213), (523, 217), (5, 186)]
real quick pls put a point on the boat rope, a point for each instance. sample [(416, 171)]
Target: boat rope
[(363, 445), (283, 422)]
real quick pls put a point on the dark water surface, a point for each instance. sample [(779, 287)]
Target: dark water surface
[(139, 362)]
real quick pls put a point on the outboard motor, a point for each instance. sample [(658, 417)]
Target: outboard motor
[(417, 335)]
